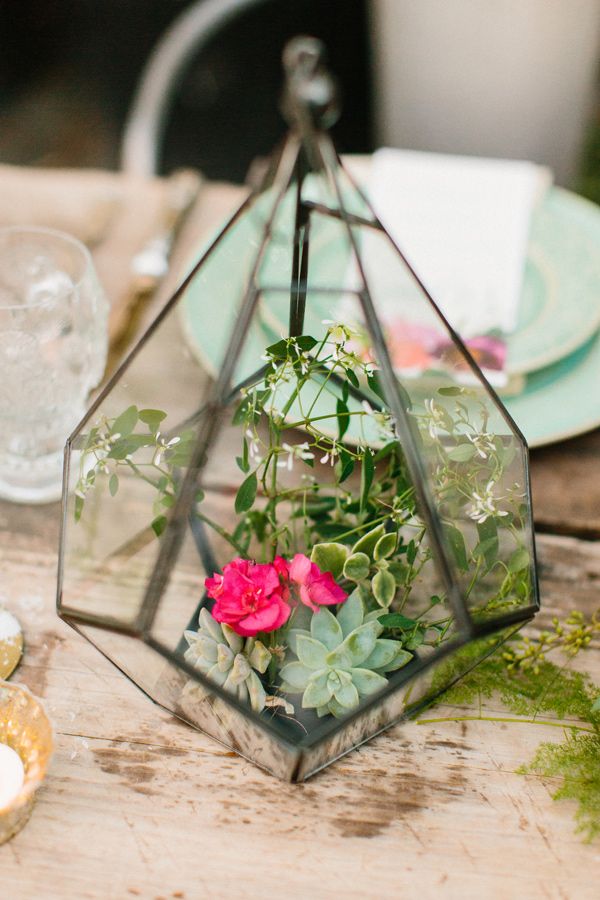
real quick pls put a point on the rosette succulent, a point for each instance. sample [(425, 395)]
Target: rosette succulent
[(341, 659), (229, 659)]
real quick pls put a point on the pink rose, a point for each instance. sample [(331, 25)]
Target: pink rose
[(248, 597), (315, 588)]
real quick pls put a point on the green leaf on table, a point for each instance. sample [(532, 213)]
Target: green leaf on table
[(246, 494), (126, 422)]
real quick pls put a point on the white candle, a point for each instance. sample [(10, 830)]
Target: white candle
[(12, 775)]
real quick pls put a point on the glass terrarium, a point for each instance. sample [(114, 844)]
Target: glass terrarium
[(298, 511)]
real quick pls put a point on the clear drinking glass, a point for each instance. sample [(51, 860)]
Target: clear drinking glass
[(53, 346)]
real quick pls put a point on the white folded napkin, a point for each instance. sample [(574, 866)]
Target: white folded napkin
[(463, 223)]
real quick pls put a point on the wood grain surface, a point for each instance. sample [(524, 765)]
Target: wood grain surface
[(136, 804)]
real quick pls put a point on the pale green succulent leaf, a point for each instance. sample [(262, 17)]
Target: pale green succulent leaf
[(324, 627), (367, 682), (374, 615), (295, 676), (292, 638), (225, 657), (351, 614), (240, 669), (383, 585), (207, 648), (383, 653), (256, 692), (235, 640), (242, 692), (311, 652), (259, 657), (401, 659), (215, 674), (347, 696), (330, 557), (357, 566), (208, 623), (318, 691), (355, 648), (336, 709)]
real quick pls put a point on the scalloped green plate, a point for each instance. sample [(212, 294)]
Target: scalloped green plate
[(556, 342), (560, 303)]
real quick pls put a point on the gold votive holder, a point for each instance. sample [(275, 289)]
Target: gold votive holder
[(25, 727)]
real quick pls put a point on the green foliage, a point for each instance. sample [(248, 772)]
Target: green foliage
[(577, 762), (330, 557), (229, 660), (528, 685), (341, 659)]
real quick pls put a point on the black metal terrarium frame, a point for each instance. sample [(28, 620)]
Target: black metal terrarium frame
[(310, 105)]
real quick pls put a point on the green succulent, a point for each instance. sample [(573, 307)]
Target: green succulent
[(228, 659), (371, 563), (341, 659)]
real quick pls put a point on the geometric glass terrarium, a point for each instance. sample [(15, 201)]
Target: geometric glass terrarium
[(298, 511)]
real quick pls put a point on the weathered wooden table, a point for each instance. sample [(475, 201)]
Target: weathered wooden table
[(137, 804)]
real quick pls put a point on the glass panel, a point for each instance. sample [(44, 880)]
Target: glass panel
[(350, 493), (305, 485), (473, 458)]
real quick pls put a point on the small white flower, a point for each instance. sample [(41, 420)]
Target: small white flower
[(330, 456), (485, 504), (483, 443), (161, 447), (254, 446), (436, 418), (297, 451)]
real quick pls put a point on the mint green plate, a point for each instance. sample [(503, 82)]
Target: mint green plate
[(562, 400), (560, 303), (556, 343)]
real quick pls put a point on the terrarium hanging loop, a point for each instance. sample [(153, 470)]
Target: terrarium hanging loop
[(311, 96)]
